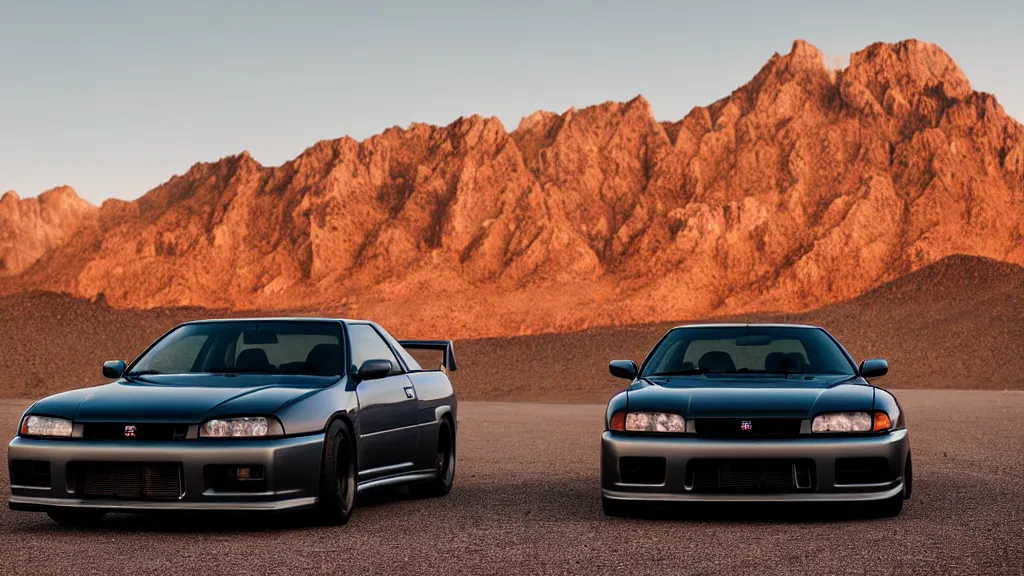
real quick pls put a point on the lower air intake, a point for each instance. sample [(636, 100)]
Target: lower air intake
[(751, 476), (129, 481), (876, 470), (34, 473), (642, 470)]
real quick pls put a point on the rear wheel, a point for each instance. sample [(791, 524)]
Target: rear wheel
[(337, 476), (444, 465), (76, 518)]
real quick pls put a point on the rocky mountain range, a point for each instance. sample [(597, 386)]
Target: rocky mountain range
[(804, 187), (31, 227)]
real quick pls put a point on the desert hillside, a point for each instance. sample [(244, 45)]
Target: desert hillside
[(958, 323), (31, 227), (804, 187)]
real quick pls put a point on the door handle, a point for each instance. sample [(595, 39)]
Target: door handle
[(409, 392)]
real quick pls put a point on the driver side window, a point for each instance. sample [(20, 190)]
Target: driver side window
[(368, 345)]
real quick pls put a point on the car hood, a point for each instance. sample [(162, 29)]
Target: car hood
[(181, 398), (732, 398)]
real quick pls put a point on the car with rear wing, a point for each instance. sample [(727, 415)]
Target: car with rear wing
[(753, 413), (262, 414)]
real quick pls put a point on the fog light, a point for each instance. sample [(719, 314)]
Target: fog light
[(245, 473)]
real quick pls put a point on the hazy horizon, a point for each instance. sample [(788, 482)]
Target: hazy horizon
[(113, 98)]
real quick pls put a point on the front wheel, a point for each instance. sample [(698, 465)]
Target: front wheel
[(444, 466), (894, 506), (337, 476), (890, 508)]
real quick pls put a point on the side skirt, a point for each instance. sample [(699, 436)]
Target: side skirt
[(405, 478)]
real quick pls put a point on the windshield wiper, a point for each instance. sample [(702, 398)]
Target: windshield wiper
[(686, 372), (142, 373), (228, 372), (698, 371)]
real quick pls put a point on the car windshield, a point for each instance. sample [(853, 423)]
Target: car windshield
[(246, 347), (747, 350)]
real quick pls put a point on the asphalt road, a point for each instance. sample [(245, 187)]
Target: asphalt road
[(526, 501)]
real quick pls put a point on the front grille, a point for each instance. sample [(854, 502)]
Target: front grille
[(751, 476), (130, 481), (863, 471), (30, 473), (130, 431), (641, 470), (748, 427)]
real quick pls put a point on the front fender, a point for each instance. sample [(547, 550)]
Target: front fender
[(618, 402), (884, 400)]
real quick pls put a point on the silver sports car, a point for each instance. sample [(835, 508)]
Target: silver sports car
[(262, 414), (753, 413)]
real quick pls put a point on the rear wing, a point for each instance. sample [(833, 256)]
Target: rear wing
[(445, 346)]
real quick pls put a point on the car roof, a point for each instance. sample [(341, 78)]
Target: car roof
[(278, 319), (748, 325)]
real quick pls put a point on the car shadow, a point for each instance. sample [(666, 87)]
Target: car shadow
[(752, 513), (578, 499), (552, 500), (225, 522)]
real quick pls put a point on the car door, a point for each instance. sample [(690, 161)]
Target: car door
[(386, 423)]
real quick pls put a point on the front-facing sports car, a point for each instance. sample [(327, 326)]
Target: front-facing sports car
[(265, 414), (753, 413)]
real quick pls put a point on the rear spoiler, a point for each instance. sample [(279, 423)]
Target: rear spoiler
[(445, 346)]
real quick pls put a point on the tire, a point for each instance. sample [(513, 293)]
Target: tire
[(337, 476), (908, 478), (444, 466), (892, 507), (76, 518), (614, 508)]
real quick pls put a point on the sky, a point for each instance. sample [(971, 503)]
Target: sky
[(114, 97)]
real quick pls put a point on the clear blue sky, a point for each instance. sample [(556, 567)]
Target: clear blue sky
[(114, 97)]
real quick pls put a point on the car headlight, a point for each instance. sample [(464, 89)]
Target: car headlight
[(851, 422), (654, 422), (46, 426), (242, 427)]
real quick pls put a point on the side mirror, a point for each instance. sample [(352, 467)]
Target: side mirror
[(374, 369), (874, 368), (623, 369), (113, 368)]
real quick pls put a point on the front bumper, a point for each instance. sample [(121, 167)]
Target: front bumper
[(291, 469), (679, 452)]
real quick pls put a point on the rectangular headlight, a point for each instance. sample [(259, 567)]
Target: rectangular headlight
[(46, 426), (242, 427), (654, 422), (842, 422)]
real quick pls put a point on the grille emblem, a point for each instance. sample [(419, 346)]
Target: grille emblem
[(746, 426), (129, 431)]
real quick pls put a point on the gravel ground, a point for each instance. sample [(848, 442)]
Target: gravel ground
[(526, 500)]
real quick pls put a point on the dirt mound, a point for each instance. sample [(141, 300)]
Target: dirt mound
[(956, 324), (804, 187), (53, 342)]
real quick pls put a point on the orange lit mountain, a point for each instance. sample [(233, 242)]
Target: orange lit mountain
[(802, 188), (32, 227)]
